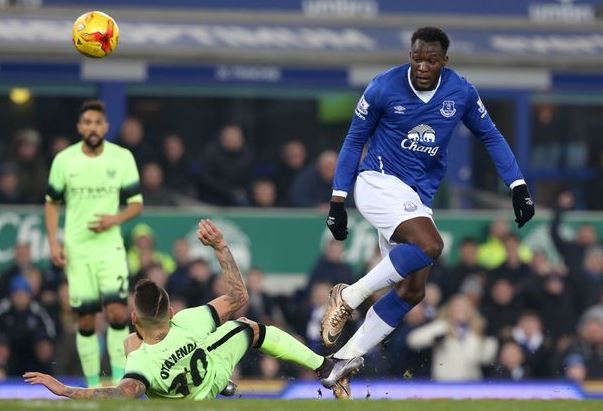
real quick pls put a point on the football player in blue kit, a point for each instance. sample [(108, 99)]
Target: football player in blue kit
[(407, 116)]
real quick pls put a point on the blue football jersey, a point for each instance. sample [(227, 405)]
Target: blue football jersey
[(408, 137)]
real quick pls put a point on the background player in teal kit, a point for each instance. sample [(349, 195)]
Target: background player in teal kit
[(192, 354), (92, 178)]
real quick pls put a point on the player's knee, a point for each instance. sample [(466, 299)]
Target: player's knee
[(86, 323), (256, 330), (117, 314), (433, 247)]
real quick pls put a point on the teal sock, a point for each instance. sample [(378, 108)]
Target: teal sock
[(88, 350), (117, 355), (280, 345)]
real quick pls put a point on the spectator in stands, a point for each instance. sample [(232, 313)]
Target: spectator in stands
[(22, 262), (584, 359), (261, 306), (32, 170), (312, 187), (589, 281), (548, 292), (153, 190), (132, 137), (317, 303), (450, 281), (226, 169), (501, 308), (142, 251), (510, 364), (176, 166), (263, 193), (196, 289), (539, 350), (182, 253), (513, 268), (572, 251), (330, 266), (27, 329), (10, 191), (492, 253), (57, 144), (292, 161), (459, 347)]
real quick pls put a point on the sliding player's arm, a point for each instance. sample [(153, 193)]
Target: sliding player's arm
[(128, 388), (236, 295)]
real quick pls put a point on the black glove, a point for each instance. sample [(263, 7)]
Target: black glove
[(337, 221), (523, 205)]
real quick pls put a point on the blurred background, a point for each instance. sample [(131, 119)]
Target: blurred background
[(235, 109)]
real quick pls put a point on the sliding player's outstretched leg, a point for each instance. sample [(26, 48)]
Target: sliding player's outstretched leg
[(277, 343)]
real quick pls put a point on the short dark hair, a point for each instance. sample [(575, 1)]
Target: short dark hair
[(431, 35), (95, 105), (151, 302)]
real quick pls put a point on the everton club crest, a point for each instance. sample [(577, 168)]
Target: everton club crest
[(448, 108)]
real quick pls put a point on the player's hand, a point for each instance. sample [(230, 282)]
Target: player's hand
[(337, 221), (56, 387), (57, 255), (523, 205), (210, 235), (102, 223)]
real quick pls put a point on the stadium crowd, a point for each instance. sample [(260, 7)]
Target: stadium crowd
[(504, 311), (224, 174), (230, 170)]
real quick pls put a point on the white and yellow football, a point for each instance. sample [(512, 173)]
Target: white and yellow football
[(95, 34)]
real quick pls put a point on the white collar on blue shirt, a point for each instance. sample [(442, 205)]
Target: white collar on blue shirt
[(425, 96)]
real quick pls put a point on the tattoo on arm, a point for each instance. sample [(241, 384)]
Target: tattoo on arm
[(237, 292), (127, 388)]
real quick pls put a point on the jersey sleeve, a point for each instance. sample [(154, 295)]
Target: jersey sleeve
[(477, 119), (56, 181), (138, 367), (200, 320), (130, 191), (366, 116)]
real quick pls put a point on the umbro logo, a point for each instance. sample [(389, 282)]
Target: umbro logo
[(399, 109)]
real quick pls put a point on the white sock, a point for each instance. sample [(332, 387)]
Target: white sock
[(382, 275), (370, 333)]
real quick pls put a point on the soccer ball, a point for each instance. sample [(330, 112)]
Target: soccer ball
[(95, 34)]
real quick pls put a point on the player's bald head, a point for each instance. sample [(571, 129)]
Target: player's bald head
[(151, 303)]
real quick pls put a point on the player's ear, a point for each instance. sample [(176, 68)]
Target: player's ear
[(133, 317), (171, 312), (445, 59)]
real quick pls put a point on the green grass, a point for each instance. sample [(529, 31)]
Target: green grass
[(303, 405)]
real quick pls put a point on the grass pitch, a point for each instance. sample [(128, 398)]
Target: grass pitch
[(303, 405)]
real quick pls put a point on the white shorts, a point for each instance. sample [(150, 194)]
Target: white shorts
[(385, 202)]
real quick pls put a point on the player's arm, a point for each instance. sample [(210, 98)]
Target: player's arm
[(52, 211), (236, 295), (128, 388), (477, 120), (366, 116)]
